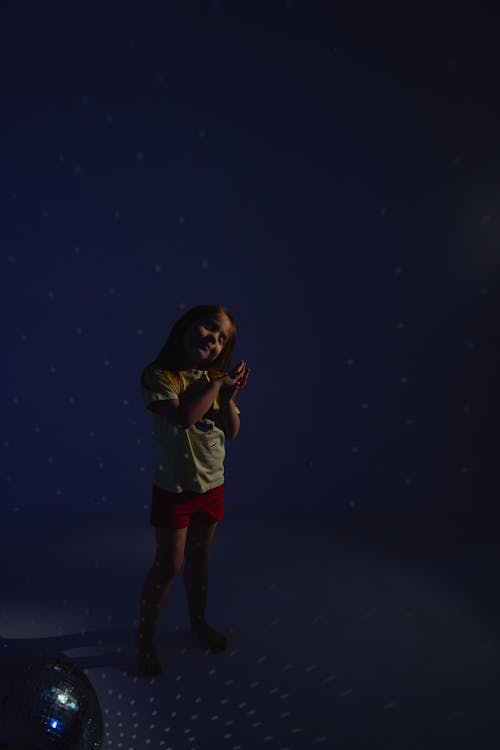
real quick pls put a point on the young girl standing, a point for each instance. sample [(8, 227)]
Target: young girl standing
[(191, 393)]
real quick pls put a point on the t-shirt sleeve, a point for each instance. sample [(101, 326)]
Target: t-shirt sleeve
[(157, 385)]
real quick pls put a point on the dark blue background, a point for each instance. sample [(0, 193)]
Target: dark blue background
[(330, 174)]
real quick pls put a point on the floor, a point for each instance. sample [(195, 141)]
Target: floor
[(345, 631)]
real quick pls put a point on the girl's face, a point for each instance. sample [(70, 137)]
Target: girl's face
[(205, 339)]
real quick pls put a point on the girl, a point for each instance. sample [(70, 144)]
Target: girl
[(191, 395)]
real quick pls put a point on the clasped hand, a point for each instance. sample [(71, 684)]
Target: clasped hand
[(233, 381)]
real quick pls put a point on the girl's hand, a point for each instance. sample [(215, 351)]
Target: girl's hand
[(233, 381)]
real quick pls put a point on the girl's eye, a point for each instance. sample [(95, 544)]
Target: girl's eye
[(212, 326)]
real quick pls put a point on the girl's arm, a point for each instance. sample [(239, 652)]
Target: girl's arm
[(193, 407), (228, 419)]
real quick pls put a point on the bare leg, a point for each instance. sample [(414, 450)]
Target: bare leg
[(170, 545), (196, 582)]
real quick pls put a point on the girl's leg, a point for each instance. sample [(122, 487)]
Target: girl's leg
[(199, 539), (170, 544)]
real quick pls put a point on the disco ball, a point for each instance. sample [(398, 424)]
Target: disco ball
[(51, 705)]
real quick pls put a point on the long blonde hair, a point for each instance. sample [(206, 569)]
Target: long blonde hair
[(171, 352)]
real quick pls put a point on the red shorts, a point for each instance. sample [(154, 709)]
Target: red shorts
[(175, 509)]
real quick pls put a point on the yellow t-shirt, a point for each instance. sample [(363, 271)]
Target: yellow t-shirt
[(187, 460)]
